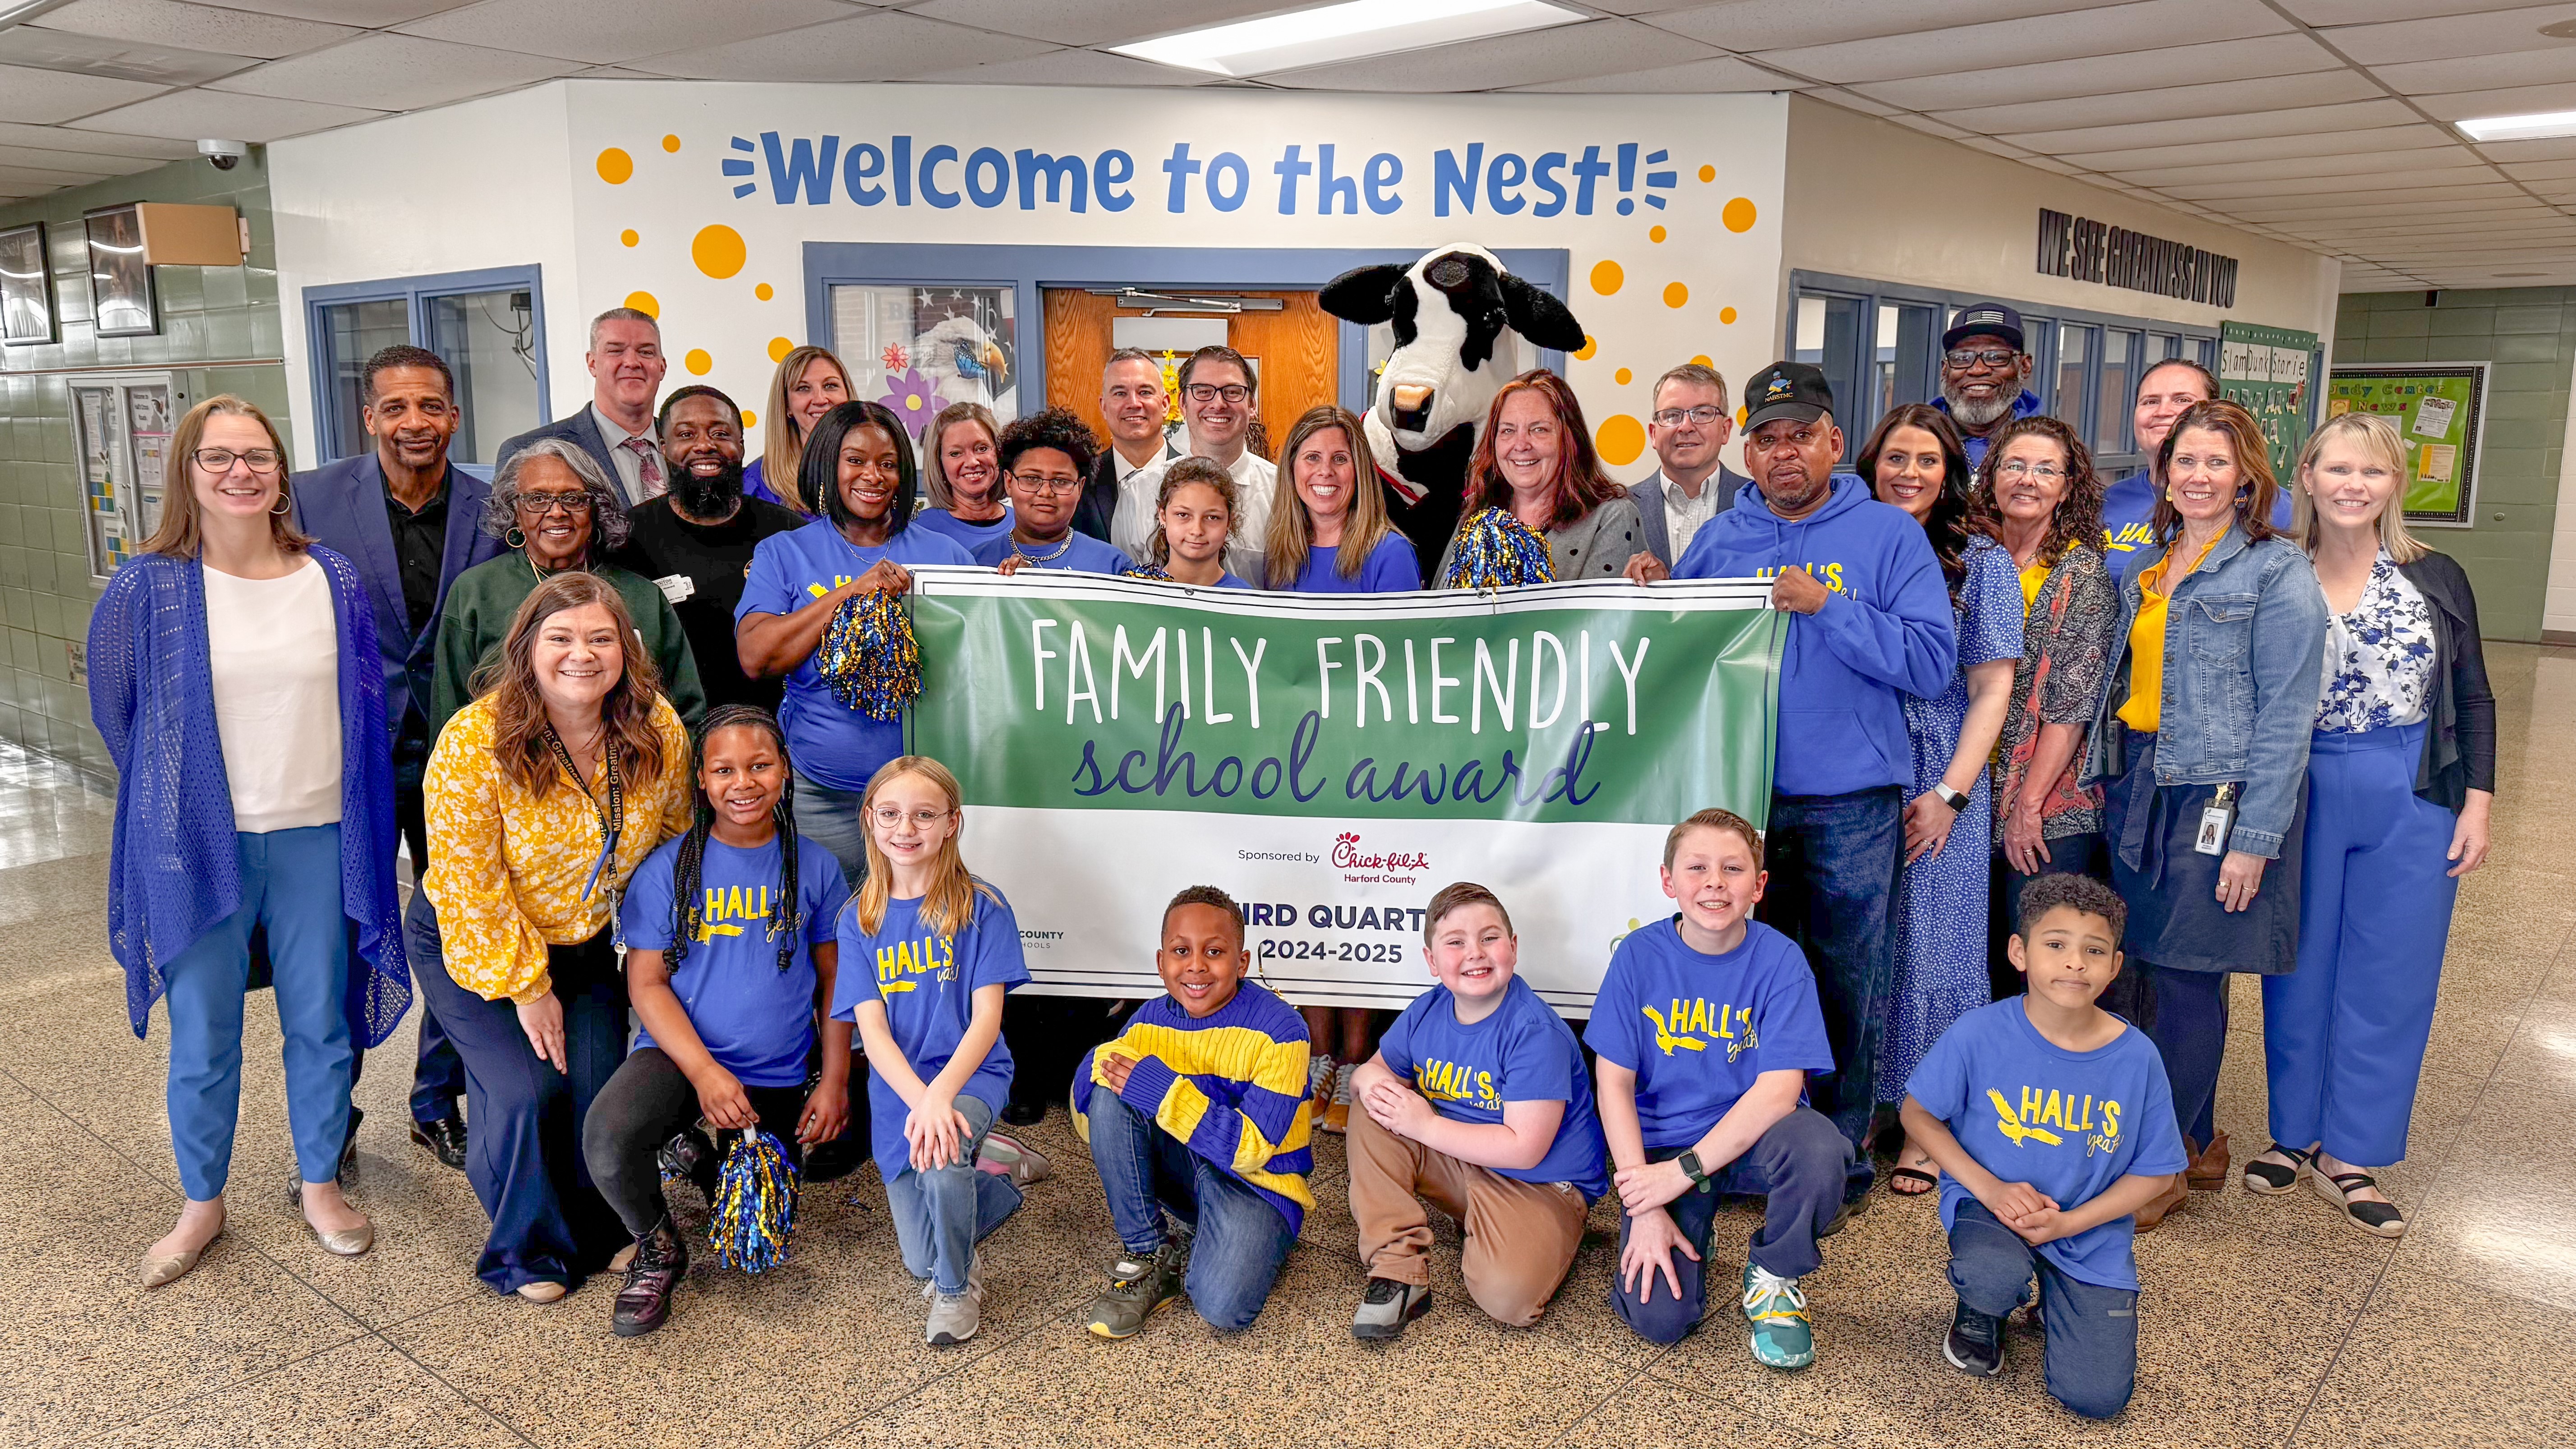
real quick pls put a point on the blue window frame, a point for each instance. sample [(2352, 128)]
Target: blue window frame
[(488, 325)]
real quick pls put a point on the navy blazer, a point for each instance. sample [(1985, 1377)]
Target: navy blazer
[(1649, 498), (342, 506), (581, 432)]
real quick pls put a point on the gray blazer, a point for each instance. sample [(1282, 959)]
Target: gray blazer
[(1595, 546), (1649, 498)]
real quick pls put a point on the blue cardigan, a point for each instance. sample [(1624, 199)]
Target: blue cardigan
[(175, 871)]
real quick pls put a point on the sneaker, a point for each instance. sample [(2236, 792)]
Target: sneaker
[(1321, 1077), (954, 1317), (1782, 1337), (1337, 1112), (1137, 1287), (645, 1300), (1387, 1307), (1006, 1156), (1976, 1342)]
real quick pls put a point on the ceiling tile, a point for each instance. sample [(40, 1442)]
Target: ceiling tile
[(2562, 148), (50, 157), (193, 27), (41, 96), (2236, 126), (2371, 12), (394, 72), (1747, 25), (1096, 22), (2375, 204), (2368, 165), (2482, 72), (2180, 65), (2266, 148), (1567, 52), (2541, 170), (133, 60), (1071, 67), (2447, 37), (37, 180), (1698, 77), (1927, 125), (604, 31), (880, 45), (2030, 40), (370, 14), (2515, 100), (1854, 101), (151, 148), (184, 115), (2125, 105), (2371, 183)]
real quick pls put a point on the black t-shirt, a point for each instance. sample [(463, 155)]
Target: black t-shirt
[(664, 547), (420, 544)]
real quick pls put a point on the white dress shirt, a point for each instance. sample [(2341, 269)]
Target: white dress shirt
[(1684, 514)]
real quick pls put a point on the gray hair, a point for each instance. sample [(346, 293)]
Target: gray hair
[(624, 314), (607, 505)]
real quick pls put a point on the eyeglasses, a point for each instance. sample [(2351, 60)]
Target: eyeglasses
[(220, 460), (2045, 472), (1703, 415), (889, 818), (1233, 392), (538, 505), (1037, 484), (1965, 357)]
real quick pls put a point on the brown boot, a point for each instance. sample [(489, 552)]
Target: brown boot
[(2208, 1170), (2161, 1204)]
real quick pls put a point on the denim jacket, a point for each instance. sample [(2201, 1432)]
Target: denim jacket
[(2245, 640)]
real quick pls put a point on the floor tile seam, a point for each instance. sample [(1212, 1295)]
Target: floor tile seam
[(469, 1400), (1641, 1374), (915, 1390), (246, 1381)]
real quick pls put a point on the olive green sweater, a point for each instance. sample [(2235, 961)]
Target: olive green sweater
[(479, 606)]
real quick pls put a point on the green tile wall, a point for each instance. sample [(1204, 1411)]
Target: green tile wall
[(2529, 333), (208, 314)]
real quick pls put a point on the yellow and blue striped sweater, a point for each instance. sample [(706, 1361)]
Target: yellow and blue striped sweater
[(1231, 1085)]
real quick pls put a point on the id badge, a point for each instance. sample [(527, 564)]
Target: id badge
[(2217, 822), (678, 588)]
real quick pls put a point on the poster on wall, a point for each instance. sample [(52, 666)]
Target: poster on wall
[(2439, 409), (918, 350), (2265, 369), (120, 280), (26, 287)]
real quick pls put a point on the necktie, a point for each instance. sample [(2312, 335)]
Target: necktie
[(648, 471)]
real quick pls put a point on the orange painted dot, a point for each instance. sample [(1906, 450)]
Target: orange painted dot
[(1707, 173), (1606, 277), (699, 364), (615, 166), (1703, 360), (646, 303), (1726, 315), (1654, 234), (628, 237), (1623, 377), (718, 251), (764, 291), (1675, 294), (1590, 346), (749, 417), (670, 143), (779, 347), (1738, 214), (1620, 438)]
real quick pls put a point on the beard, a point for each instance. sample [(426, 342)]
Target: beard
[(1977, 415), (714, 497)]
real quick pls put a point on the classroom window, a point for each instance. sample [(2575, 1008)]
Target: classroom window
[(917, 349), (488, 327), (2112, 394)]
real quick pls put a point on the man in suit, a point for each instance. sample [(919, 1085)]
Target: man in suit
[(626, 367), (411, 524), (1133, 400), (1689, 428)]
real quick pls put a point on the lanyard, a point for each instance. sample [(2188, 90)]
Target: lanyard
[(612, 819)]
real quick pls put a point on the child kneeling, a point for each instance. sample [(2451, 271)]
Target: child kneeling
[(2052, 1122), (1199, 1109), (1706, 1028), (1477, 1101)]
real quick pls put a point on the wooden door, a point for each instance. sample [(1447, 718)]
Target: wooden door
[(1296, 350)]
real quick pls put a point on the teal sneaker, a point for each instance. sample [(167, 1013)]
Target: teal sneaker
[(1782, 1337)]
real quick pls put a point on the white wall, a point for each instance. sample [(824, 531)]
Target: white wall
[(2558, 611)]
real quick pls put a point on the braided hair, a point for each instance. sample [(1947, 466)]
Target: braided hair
[(786, 920)]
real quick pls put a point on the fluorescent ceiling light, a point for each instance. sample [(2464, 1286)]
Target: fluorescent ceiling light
[(2536, 126), (1349, 31)]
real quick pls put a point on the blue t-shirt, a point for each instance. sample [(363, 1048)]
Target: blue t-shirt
[(2068, 1123), (1697, 1029), (830, 742), (1082, 554), (968, 535), (928, 985), (1523, 1052), (754, 1019), (1390, 568), (2127, 508)]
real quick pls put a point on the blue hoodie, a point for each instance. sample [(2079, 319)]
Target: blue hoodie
[(1885, 631)]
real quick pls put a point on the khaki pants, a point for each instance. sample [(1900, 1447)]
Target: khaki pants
[(1521, 1236)]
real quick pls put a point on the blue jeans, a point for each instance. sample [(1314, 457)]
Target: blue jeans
[(1833, 872), (831, 819), (290, 885), (1240, 1239), (940, 1215), (1799, 1165), (2092, 1330)]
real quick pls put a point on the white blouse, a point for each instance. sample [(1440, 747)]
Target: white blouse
[(274, 645), (2379, 657)]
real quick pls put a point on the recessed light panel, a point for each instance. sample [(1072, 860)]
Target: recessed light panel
[(2538, 125), (1351, 31)]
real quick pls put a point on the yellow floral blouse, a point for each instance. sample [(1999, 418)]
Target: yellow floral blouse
[(507, 868)]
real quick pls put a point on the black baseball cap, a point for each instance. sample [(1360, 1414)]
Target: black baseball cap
[(1794, 390), (1986, 319)]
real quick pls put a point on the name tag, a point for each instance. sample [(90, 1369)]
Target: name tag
[(2217, 821), (677, 587)]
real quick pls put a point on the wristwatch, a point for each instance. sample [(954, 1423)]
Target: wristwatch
[(1955, 799), (1689, 1163)]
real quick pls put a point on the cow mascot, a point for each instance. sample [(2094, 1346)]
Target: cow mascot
[(1458, 316)]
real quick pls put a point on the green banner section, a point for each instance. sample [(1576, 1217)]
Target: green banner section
[(1582, 702)]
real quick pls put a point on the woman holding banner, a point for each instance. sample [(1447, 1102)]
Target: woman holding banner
[(1329, 535), (1535, 458)]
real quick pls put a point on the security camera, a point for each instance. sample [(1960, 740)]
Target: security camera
[(225, 154)]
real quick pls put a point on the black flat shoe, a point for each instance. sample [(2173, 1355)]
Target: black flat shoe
[(445, 1139)]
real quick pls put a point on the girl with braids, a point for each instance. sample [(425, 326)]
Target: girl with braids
[(729, 957), (1194, 513)]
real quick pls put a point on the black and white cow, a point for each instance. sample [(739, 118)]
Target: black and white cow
[(1458, 317)]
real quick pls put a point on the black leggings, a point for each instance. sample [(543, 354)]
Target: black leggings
[(647, 1103)]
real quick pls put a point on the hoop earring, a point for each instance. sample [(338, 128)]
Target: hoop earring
[(515, 539), (285, 505)]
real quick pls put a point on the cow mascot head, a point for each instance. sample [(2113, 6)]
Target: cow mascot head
[(1458, 316)]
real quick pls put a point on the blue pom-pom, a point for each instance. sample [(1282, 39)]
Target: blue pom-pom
[(869, 657), (1495, 550), (1147, 571), (755, 1204)]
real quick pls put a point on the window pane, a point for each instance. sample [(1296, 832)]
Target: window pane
[(918, 349), (1829, 337), (352, 332), (2205, 352), (2163, 345), (2074, 353), (1903, 362), (2119, 386), (489, 340)]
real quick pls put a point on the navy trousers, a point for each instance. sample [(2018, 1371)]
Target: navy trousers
[(437, 1075), (1833, 861), (1799, 1167), (2092, 1330)]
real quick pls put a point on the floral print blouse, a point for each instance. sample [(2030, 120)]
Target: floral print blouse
[(2066, 649), (2379, 657)]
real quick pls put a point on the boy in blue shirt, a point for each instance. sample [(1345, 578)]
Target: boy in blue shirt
[(2053, 1124), (1707, 1027), (1476, 1100)]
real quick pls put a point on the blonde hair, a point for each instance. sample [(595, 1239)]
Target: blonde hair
[(934, 476), (782, 438), (1292, 533), (181, 534), (949, 905), (2376, 436)]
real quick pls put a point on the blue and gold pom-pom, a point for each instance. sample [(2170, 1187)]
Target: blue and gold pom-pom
[(1495, 550), (755, 1204), (1147, 571), (869, 657)]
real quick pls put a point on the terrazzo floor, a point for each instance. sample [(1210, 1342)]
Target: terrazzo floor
[(2265, 1322)]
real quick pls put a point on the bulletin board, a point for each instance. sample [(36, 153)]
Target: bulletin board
[(2440, 411), (2267, 370)]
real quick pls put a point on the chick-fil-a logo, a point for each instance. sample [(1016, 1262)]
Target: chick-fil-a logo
[(1347, 856)]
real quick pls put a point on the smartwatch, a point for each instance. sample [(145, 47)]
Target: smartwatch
[(1689, 1163), (1956, 800)]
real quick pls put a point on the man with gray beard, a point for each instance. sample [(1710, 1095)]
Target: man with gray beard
[(1984, 369)]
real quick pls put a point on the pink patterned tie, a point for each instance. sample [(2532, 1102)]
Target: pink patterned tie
[(648, 473)]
